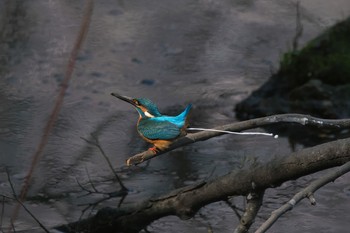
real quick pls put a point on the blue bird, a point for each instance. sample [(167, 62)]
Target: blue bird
[(155, 128)]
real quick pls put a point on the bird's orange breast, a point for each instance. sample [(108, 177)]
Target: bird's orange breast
[(159, 143)]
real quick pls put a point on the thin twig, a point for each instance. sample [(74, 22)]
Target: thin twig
[(88, 191), (120, 193), (234, 208), (97, 144), (305, 193), (2, 212), (90, 181), (110, 195), (298, 27), (10, 182), (13, 227), (24, 207), (240, 126)]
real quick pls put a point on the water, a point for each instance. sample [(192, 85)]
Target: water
[(208, 53)]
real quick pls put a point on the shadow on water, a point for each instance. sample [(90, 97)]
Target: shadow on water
[(210, 54)]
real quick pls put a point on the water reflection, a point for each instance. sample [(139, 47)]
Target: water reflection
[(211, 54)]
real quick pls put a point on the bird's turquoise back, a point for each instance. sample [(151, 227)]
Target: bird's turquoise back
[(163, 127), (164, 130)]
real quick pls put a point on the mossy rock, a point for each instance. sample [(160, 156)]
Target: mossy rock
[(310, 81), (326, 58)]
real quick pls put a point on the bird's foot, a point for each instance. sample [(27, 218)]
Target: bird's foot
[(154, 149)]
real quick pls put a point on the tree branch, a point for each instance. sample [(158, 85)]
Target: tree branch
[(240, 126), (305, 193), (254, 202), (185, 202)]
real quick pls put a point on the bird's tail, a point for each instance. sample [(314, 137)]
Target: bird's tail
[(184, 117), (232, 132), (186, 111)]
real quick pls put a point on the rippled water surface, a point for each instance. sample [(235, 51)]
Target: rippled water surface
[(208, 53)]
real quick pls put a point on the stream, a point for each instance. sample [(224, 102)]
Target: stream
[(208, 53)]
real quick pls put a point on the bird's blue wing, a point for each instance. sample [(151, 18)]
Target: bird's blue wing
[(153, 129)]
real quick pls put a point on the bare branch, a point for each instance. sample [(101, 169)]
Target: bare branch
[(298, 27), (22, 205), (240, 126), (234, 208), (110, 195), (88, 191), (254, 202), (13, 227), (2, 212), (122, 193), (90, 181), (185, 202), (97, 144), (305, 193)]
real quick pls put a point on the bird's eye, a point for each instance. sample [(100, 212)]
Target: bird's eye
[(136, 101)]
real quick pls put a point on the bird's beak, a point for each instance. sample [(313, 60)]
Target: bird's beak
[(125, 98)]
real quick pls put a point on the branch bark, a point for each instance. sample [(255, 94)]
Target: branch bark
[(254, 202), (185, 202), (240, 126)]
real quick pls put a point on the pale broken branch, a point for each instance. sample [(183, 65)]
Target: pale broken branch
[(240, 126), (305, 193)]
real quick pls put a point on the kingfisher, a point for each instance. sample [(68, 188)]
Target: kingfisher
[(155, 128)]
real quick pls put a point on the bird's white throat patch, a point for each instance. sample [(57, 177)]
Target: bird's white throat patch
[(147, 114)]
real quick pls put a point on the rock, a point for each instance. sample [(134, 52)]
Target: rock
[(310, 81)]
